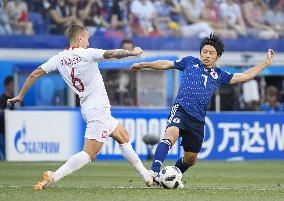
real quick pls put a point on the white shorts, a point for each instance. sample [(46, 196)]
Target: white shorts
[(100, 123)]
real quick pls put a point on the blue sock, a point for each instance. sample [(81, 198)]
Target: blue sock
[(160, 154), (181, 165)]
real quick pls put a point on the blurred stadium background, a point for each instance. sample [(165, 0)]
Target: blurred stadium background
[(245, 122)]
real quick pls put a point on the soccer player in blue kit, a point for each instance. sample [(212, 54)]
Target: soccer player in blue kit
[(201, 78)]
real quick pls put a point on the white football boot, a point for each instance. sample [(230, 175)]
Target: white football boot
[(46, 182), (180, 185), (156, 178), (148, 178)]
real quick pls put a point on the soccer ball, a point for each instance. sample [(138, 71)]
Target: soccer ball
[(170, 177)]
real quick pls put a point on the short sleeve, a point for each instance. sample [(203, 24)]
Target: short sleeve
[(180, 64), (223, 10), (50, 65), (226, 77), (268, 17), (183, 3), (134, 7), (92, 54), (151, 8), (238, 10)]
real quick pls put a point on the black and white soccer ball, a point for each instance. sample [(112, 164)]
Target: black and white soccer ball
[(170, 177)]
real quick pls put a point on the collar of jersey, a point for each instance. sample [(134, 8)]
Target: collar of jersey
[(209, 70), (206, 69), (73, 47)]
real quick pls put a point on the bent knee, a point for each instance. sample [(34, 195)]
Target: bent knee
[(121, 135), (124, 138)]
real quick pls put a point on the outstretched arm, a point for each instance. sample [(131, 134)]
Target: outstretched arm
[(254, 71), (119, 53), (157, 65), (28, 83)]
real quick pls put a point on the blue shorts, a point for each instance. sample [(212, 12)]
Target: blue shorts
[(191, 130)]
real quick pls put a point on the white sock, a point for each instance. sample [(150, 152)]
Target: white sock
[(130, 155), (74, 163)]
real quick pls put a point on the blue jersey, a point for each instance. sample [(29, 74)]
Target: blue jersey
[(198, 85), (278, 108)]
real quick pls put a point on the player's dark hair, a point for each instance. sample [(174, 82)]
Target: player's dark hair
[(125, 41), (73, 30), (214, 41), (8, 80)]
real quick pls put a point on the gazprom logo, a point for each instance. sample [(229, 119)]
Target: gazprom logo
[(23, 146)]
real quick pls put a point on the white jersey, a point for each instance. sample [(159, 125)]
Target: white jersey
[(79, 69)]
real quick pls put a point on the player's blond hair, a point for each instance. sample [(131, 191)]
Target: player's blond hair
[(73, 30)]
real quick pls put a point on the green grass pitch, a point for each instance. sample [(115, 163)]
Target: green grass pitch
[(112, 180)]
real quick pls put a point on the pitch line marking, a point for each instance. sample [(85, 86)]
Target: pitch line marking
[(133, 187)]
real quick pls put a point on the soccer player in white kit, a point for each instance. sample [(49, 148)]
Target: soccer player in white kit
[(79, 68)]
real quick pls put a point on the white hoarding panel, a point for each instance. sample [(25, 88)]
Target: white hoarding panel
[(39, 135)]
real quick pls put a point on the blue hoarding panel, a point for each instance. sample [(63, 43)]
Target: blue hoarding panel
[(228, 136)]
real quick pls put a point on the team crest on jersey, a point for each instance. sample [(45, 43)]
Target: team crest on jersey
[(176, 120), (104, 134), (214, 75)]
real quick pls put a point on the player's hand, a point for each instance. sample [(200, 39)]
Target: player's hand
[(269, 56), (136, 67), (14, 100), (137, 51)]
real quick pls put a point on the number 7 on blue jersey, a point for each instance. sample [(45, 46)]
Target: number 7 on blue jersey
[(205, 79)]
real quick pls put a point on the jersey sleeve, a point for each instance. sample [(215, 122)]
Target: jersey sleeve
[(92, 54), (181, 64), (226, 77), (50, 65), (134, 8)]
